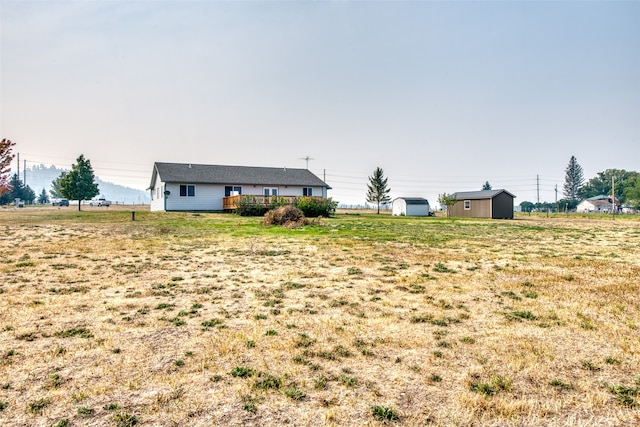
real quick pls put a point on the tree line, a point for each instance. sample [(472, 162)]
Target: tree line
[(77, 184), (620, 184)]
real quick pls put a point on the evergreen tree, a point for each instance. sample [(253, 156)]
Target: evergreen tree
[(486, 186), (43, 198), (5, 161), (79, 183), (17, 191), (377, 190), (573, 180)]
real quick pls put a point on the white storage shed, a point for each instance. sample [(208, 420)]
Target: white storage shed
[(410, 206)]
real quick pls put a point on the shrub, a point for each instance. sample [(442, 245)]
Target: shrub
[(383, 413), (312, 207), (249, 206), (286, 216)]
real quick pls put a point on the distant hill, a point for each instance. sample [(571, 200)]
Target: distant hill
[(41, 176)]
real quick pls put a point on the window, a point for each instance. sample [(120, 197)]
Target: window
[(307, 191), (467, 205), (229, 189), (187, 190), (270, 191)]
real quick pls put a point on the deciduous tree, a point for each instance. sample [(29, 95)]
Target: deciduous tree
[(448, 200), (55, 187), (377, 189), (602, 182), (5, 165), (79, 183), (632, 192)]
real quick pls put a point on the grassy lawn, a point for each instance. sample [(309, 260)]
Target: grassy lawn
[(179, 319)]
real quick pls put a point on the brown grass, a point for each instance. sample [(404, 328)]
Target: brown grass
[(177, 319)]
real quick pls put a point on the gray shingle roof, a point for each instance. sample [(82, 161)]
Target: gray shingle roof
[(414, 200), (482, 194), (219, 174)]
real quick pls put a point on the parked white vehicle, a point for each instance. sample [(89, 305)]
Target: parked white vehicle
[(100, 202)]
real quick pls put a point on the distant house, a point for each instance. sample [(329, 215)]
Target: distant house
[(497, 204), (410, 206), (601, 203), (196, 187)]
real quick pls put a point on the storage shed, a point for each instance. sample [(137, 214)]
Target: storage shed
[(497, 204), (410, 206)]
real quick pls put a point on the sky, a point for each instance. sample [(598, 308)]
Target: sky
[(442, 95)]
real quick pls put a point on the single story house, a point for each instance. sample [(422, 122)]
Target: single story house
[(196, 187), (410, 206), (497, 204), (602, 204)]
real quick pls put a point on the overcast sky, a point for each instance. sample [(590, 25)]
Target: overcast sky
[(442, 95)]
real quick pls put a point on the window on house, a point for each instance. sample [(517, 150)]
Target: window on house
[(270, 191), (307, 191), (228, 189), (467, 205), (187, 190)]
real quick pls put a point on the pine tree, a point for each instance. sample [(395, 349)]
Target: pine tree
[(573, 180), (486, 186), (377, 190), (17, 191), (43, 198), (79, 183)]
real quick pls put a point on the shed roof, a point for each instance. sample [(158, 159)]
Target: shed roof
[(414, 200), (221, 174), (482, 194)]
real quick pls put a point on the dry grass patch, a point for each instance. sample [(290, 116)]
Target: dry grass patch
[(178, 319)]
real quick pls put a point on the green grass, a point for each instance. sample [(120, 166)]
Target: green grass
[(384, 413)]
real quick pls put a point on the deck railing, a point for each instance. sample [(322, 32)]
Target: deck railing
[(232, 202)]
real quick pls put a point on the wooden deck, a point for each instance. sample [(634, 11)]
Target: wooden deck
[(232, 202)]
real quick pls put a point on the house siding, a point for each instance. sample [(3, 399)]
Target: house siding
[(207, 198), (480, 208)]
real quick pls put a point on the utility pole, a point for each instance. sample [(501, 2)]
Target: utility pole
[(24, 180), (613, 197), (538, 188), (307, 158), (556, 197), (18, 154)]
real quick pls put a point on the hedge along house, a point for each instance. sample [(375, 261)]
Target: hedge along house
[(410, 206), (496, 204), (194, 187)]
